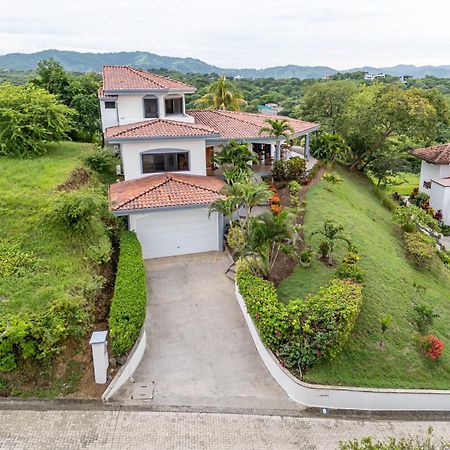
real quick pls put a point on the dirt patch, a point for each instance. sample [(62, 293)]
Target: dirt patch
[(77, 178), (285, 265)]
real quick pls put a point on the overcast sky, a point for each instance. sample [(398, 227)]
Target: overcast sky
[(237, 33)]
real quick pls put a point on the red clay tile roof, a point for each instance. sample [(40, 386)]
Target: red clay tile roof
[(242, 125), (164, 190), (124, 78), (437, 154), (158, 128)]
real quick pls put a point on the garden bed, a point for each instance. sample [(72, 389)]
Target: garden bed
[(391, 284)]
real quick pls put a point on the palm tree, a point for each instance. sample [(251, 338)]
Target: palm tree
[(269, 234), (248, 195), (227, 206), (277, 128), (222, 94), (331, 233)]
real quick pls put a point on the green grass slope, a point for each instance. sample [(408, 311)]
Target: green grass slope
[(388, 290), (27, 188)]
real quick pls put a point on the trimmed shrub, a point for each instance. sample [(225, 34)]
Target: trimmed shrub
[(420, 247), (388, 202), (303, 331), (128, 305), (349, 269), (279, 170), (296, 167)]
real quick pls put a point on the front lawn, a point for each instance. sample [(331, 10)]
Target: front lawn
[(389, 289)]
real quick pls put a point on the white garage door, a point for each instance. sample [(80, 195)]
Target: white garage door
[(176, 232)]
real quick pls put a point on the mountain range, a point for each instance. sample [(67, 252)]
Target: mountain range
[(85, 62)]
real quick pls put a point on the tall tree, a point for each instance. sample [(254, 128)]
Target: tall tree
[(29, 118), (277, 128), (222, 94), (326, 103)]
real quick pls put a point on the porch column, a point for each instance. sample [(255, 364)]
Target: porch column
[(307, 146)]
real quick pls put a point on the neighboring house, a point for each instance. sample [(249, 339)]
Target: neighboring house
[(372, 76), (166, 153), (435, 177), (269, 109)]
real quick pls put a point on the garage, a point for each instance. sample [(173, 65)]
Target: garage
[(169, 213), (177, 231)]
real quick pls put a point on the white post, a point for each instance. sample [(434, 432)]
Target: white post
[(99, 346), (307, 147)]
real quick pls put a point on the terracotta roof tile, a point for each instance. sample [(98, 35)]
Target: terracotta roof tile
[(164, 190), (242, 125), (125, 78), (437, 154), (158, 128)]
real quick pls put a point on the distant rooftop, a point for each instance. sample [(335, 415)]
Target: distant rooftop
[(437, 154)]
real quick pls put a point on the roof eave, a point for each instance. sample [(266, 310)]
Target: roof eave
[(118, 140), (150, 91), (128, 212)]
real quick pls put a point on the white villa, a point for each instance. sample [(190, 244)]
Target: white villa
[(166, 153), (435, 177)]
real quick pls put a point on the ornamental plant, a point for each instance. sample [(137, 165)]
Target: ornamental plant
[(432, 346)]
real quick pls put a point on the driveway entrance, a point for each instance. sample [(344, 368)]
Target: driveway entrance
[(199, 350)]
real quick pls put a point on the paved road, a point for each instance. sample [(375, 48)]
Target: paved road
[(165, 430), (199, 350)]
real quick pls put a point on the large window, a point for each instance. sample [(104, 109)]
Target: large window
[(110, 105), (150, 108), (165, 162), (174, 105)]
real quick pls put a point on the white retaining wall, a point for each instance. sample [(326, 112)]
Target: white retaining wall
[(344, 397), (127, 370)]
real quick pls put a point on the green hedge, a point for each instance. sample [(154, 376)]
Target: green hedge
[(302, 332), (128, 305)]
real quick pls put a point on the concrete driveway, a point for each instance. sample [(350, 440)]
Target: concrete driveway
[(199, 350)]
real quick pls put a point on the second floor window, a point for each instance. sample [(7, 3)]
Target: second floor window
[(165, 162), (150, 108), (174, 105)]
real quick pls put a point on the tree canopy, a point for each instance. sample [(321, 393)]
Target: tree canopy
[(29, 118)]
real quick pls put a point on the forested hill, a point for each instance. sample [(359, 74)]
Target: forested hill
[(85, 62)]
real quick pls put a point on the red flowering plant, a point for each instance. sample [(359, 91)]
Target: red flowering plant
[(432, 346)]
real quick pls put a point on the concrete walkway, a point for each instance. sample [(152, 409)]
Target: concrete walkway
[(199, 350), (161, 430)]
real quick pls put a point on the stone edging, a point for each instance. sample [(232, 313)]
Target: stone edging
[(336, 397), (127, 370)]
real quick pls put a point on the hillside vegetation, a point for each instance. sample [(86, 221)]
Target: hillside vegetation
[(390, 287)]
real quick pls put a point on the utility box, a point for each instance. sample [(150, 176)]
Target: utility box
[(99, 346)]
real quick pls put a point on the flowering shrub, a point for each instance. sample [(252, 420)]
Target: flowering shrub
[(303, 331), (432, 346), (420, 248), (275, 204)]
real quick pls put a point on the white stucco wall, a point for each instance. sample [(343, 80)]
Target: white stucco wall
[(131, 155), (130, 109), (109, 116), (440, 199), (427, 173), (444, 171)]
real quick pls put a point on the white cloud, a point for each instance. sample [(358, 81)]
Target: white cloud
[(237, 33)]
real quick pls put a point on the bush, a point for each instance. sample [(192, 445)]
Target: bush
[(279, 170), (128, 305), (424, 316), (303, 331), (77, 211), (388, 202), (431, 346), (101, 161), (40, 335), (422, 200), (445, 230), (445, 258), (420, 247), (349, 269), (410, 217), (100, 252), (296, 167)]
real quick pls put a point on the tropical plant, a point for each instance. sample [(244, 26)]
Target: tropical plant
[(331, 178), (329, 147), (385, 321), (227, 206), (268, 235), (332, 233), (222, 94), (424, 316), (277, 128)]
